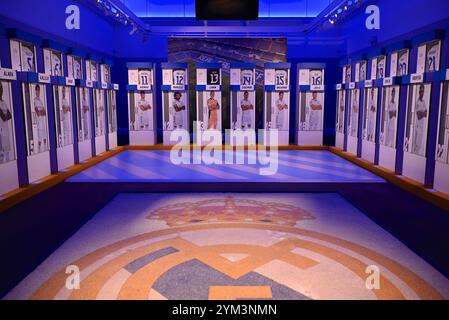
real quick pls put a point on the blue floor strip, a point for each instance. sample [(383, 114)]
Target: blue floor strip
[(294, 166)]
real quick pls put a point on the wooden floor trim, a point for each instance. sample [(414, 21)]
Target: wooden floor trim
[(439, 199), (192, 146), (19, 195)]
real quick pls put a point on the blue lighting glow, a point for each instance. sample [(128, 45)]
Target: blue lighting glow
[(186, 8)]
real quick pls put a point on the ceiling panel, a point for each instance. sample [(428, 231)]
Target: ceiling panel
[(186, 8)]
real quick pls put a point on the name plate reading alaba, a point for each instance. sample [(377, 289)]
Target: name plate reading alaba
[(44, 78), (8, 74), (417, 78)]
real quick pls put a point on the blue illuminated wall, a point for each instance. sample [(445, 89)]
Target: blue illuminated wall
[(398, 20), (98, 35), (47, 20)]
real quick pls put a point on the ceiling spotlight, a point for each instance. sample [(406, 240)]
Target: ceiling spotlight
[(121, 15)]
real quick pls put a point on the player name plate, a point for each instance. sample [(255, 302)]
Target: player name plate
[(142, 87), (247, 88), (178, 88), (282, 87), (352, 85), (104, 85), (44, 78), (368, 83), (447, 74), (8, 74), (116, 86), (388, 81), (417, 78), (339, 86), (70, 81), (317, 88), (212, 87)]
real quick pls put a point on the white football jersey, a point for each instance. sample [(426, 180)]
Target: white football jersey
[(105, 73), (381, 68), (27, 59), (247, 77), (179, 77), (403, 63), (56, 65), (94, 71), (362, 72), (77, 69), (348, 74), (433, 58), (281, 77), (145, 77), (316, 77)]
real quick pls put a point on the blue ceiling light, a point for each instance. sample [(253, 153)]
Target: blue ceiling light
[(176, 18), (186, 8), (336, 12)]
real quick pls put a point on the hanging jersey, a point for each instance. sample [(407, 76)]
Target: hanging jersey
[(403, 64), (56, 65), (179, 77), (316, 77), (94, 71), (381, 68), (27, 59), (363, 71), (281, 77), (433, 58), (77, 69), (246, 77), (145, 77)]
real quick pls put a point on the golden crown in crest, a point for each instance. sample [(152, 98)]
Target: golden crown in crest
[(230, 210)]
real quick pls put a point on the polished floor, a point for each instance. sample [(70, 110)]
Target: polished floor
[(291, 166), (233, 246)]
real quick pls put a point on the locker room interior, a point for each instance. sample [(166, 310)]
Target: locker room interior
[(352, 99)]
